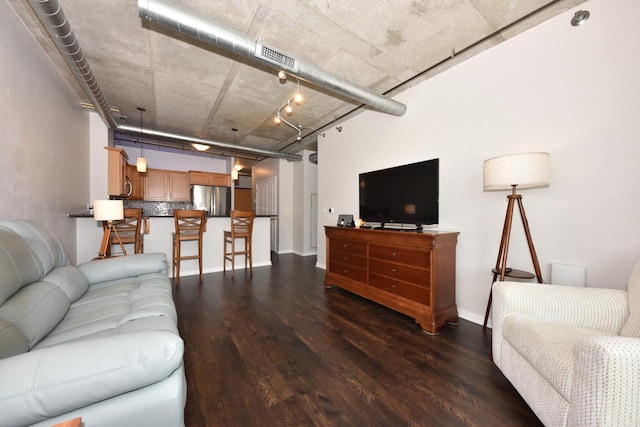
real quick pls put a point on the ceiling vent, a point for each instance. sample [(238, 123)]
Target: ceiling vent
[(274, 57)]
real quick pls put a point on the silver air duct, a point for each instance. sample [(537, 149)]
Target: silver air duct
[(52, 18), (223, 145), (184, 21)]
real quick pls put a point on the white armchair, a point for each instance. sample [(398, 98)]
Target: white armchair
[(572, 353)]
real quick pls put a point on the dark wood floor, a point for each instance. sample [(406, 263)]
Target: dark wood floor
[(277, 349)]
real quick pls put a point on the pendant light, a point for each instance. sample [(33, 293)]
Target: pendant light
[(141, 163), (234, 171)]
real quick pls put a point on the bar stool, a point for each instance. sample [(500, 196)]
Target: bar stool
[(129, 231), (189, 226), (241, 228)]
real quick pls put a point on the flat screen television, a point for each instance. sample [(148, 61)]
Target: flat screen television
[(406, 194)]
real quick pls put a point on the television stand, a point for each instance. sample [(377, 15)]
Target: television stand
[(418, 227), (412, 273)]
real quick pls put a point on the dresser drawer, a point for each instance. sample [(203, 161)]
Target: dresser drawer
[(346, 270), (406, 290), (397, 271), (404, 256), (349, 258), (348, 246)]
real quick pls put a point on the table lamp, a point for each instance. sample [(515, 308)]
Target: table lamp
[(515, 172), (109, 211)]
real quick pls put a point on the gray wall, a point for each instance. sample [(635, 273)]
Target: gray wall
[(44, 134)]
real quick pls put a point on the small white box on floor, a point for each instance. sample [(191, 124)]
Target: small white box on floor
[(568, 275)]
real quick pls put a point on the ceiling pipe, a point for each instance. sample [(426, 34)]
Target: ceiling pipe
[(169, 15), (231, 148), (54, 21), (61, 34)]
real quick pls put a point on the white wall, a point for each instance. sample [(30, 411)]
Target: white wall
[(284, 171), (571, 91), (44, 133), (305, 183)]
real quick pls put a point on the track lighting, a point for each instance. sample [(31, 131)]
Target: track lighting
[(282, 75), (288, 109)]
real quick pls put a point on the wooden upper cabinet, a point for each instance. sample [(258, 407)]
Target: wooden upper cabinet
[(166, 185), (179, 186), (117, 183), (210, 178), (137, 182)]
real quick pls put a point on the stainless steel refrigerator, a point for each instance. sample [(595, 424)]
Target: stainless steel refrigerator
[(215, 200)]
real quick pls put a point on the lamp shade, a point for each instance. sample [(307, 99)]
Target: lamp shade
[(526, 170), (108, 210), (141, 164)]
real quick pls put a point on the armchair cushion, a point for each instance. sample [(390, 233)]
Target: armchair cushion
[(549, 347)]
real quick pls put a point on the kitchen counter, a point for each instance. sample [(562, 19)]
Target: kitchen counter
[(89, 214), (159, 239)]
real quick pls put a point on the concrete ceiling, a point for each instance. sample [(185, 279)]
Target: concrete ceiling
[(194, 89)]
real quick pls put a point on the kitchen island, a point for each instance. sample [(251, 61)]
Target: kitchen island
[(159, 237)]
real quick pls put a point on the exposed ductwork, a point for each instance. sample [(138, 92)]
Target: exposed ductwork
[(184, 21), (232, 148), (53, 19)]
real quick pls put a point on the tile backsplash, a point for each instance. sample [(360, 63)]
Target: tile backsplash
[(156, 208)]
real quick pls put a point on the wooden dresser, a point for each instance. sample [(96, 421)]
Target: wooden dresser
[(410, 272)]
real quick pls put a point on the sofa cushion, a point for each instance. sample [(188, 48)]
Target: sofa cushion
[(55, 380), (548, 347), (18, 264), (35, 310), (12, 341), (42, 241), (110, 305), (71, 280), (631, 328)]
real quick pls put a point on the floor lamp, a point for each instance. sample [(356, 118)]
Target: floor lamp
[(108, 210), (515, 172)]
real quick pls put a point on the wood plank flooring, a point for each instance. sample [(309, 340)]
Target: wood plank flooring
[(277, 349)]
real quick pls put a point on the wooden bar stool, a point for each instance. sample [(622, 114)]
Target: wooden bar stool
[(129, 231), (241, 228), (189, 226)]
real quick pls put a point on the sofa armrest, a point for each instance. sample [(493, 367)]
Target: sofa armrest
[(606, 380), (102, 270), (45, 383), (593, 308)]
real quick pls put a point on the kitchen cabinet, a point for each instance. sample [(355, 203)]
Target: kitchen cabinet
[(210, 178), (166, 185), (137, 182), (117, 183)]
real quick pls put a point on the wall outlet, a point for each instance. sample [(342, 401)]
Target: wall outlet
[(332, 210)]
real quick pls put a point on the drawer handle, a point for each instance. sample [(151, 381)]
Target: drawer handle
[(393, 254), (345, 271), (393, 270), (393, 286), (344, 244), (346, 258)]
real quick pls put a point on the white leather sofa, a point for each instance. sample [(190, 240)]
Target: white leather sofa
[(97, 341), (572, 353)]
